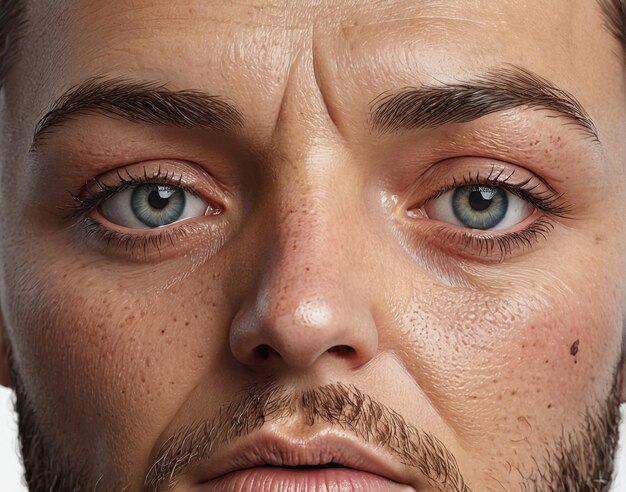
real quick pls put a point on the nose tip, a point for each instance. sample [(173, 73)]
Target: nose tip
[(301, 336)]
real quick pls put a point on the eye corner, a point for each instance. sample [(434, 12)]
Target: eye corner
[(416, 212)]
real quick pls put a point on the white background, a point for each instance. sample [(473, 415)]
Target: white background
[(11, 472)]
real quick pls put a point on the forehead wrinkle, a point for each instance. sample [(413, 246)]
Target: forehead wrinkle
[(408, 28), (409, 12), (151, 16), (415, 21), (448, 14)]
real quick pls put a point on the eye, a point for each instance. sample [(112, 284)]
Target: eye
[(479, 207), (151, 205)]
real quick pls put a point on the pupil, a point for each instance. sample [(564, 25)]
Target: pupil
[(478, 202), (157, 201)]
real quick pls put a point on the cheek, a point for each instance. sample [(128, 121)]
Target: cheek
[(513, 367), (124, 361), (558, 370)]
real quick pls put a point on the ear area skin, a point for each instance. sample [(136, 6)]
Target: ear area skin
[(621, 381), (5, 377), (622, 368)]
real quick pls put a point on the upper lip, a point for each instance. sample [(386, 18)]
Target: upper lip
[(267, 448)]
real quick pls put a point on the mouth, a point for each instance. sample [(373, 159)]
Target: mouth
[(308, 467), (322, 478), (323, 463)]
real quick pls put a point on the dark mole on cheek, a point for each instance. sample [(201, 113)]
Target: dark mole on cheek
[(574, 348)]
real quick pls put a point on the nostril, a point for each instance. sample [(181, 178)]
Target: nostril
[(341, 350), (263, 351)]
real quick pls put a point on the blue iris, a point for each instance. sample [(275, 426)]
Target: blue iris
[(157, 205), (479, 207)]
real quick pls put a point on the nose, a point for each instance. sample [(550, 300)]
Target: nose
[(310, 305)]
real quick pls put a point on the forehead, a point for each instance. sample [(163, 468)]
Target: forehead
[(352, 49), (233, 36)]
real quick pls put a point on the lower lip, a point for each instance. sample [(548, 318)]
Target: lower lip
[(270, 479)]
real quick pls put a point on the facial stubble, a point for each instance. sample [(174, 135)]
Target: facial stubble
[(580, 461)]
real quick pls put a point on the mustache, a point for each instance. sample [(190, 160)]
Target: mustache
[(338, 405)]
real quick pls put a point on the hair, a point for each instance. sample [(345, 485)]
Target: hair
[(615, 19), (12, 21)]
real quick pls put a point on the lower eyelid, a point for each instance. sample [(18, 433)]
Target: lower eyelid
[(420, 214), (151, 244), (97, 216), (488, 245), (500, 246)]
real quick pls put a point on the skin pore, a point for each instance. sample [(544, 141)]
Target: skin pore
[(318, 283)]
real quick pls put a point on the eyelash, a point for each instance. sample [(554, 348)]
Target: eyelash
[(549, 202), (505, 243), (94, 199), (130, 242)]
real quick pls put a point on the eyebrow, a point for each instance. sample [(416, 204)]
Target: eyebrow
[(432, 106), (144, 102), (409, 108)]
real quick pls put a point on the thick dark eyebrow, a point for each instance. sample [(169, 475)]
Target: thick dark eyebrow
[(432, 106), (142, 102)]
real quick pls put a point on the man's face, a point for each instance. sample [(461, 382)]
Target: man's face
[(367, 235)]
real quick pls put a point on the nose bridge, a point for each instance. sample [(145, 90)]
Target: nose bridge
[(308, 304), (310, 260), (309, 164), (309, 282)]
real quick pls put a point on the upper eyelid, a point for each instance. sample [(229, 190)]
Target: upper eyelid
[(511, 187), (88, 199), (130, 179), (487, 165), (547, 201), (467, 180)]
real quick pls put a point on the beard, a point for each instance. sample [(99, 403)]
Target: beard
[(581, 461)]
